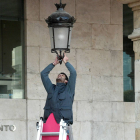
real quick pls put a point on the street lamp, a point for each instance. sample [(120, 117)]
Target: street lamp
[(60, 25)]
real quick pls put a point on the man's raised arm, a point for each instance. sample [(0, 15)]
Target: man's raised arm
[(45, 76), (72, 77)]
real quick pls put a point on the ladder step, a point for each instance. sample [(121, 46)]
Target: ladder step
[(49, 133)]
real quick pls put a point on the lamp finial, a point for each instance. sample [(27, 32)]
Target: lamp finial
[(60, 5)]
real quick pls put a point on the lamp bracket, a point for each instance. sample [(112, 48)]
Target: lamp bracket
[(60, 57)]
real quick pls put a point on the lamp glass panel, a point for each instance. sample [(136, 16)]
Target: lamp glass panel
[(61, 37), (70, 37), (51, 37)]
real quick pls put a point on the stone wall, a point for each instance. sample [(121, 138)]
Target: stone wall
[(96, 54), (13, 112)]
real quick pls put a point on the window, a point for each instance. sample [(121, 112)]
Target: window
[(128, 56), (11, 49)]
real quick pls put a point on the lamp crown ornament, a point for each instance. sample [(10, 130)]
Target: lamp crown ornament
[(60, 24), (60, 16), (60, 5)]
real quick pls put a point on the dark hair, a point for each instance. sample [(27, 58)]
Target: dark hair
[(65, 75)]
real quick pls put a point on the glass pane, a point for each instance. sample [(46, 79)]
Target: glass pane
[(128, 56), (11, 49), (70, 37), (11, 9), (11, 60), (61, 37), (51, 37)]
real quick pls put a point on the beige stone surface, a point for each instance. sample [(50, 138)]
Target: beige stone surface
[(35, 87), (42, 104), (33, 59), (93, 11), (33, 109), (134, 4), (84, 63), (117, 88), (101, 62), (32, 33), (14, 109), (32, 9), (127, 1), (84, 111), (137, 131), (108, 131), (116, 63), (107, 63), (46, 57), (129, 111), (135, 37), (137, 108), (81, 36), (116, 12), (108, 37), (82, 130), (117, 112), (102, 111), (44, 35), (76, 130), (37, 34), (129, 131), (32, 131), (106, 88), (137, 124), (74, 108), (136, 19), (47, 7), (136, 49), (83, 87), (101, 88), (137, 75), (20, 131)]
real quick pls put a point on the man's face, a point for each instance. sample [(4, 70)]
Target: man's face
[(61, 78)]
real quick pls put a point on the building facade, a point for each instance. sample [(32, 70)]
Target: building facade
[(100, 112)]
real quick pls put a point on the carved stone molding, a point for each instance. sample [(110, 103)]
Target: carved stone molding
[(135, 5), (135, 35), (128, 1)]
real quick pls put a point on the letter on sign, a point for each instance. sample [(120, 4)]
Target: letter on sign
[(12, 127), (1, 128)]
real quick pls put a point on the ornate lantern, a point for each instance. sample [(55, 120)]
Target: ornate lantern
[(60, 24)]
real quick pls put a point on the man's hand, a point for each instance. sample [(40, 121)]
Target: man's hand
[(65, 59), (56, 61)]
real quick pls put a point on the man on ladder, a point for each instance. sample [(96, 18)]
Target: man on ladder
[(60, 96)]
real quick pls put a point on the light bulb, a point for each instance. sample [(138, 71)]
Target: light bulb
[(61, 37)]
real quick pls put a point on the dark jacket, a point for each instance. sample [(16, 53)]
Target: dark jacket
[(60, 96)]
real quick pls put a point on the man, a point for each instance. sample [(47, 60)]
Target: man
[(60, 96)]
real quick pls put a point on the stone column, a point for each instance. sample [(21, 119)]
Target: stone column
[(135, 37)]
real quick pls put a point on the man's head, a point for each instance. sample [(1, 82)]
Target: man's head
[(62, 78)]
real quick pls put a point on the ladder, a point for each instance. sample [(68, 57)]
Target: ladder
[(64, 131)]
